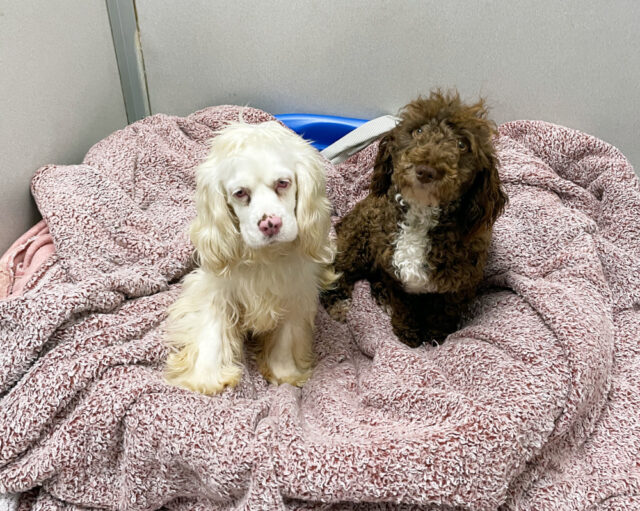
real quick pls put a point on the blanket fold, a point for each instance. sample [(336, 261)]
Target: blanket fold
[(531, 404)]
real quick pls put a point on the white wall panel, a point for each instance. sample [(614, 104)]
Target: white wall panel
[(575, 62), (59, 94)]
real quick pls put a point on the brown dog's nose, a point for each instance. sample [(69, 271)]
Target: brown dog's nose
[(426, 174)]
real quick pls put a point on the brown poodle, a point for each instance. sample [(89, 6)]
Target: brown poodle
[(421, 235)]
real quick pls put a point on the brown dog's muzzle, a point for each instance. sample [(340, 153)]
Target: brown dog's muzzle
[(427, 174)]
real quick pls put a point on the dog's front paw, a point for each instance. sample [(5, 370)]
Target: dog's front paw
[(337, 301), (338, 310), (285, 371), (204, 380), (295, 377)]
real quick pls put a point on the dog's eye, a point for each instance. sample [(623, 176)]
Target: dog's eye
[(241, 194), (463, 145), (282, 184), (416, 132)]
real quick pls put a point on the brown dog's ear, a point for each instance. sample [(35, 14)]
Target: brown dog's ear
[(383, 167), (484, 202)]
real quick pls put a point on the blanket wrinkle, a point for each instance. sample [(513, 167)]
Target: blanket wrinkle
[(21, 261), (531, 404), (470, 408)]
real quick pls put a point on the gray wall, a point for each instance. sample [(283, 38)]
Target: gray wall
[(59, 94), (575, 62)]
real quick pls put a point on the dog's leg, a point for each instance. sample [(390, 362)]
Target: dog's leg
[(423, 318), (286, 355), (407, 322), (208, 346), (206, 363), (337, 299), (410, 313)]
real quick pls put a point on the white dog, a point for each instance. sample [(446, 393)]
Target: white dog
[(262, 242)]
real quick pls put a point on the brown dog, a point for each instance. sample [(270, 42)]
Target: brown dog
[(421, 235)]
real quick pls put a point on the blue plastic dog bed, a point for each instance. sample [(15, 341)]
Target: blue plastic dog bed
[(320, 130)]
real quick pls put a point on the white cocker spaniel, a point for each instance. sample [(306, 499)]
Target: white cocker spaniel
[(261, 236)]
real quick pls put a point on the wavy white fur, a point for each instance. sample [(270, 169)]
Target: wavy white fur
[(248, 282), (412, 245)]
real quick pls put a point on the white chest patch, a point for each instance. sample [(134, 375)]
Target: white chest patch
[(412, 245)]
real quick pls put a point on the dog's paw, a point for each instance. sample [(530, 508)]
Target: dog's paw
[(209, 385), (278, 372), (208, 382), (338, 310), (296, 378)]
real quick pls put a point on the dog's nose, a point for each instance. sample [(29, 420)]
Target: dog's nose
[(270, 225), (426, 174)]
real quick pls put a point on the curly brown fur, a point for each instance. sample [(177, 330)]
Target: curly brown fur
[(422, 234)]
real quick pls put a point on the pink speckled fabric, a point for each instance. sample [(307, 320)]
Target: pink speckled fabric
[(23, 260), (532, 405)]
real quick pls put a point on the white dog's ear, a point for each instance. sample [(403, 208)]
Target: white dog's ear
[(213, 232), (313, 209)]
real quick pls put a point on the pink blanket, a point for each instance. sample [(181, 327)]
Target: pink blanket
[(532, 405), (23, 262)]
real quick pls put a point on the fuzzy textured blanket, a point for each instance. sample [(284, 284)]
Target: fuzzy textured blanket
[(532, 405)]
